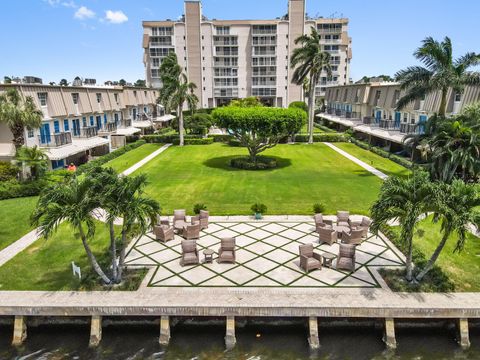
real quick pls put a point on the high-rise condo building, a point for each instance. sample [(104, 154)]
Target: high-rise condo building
[(230, 59)]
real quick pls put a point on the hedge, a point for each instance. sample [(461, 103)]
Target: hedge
[(326, 137), (221, 137), (388, 155), (110, 156), (194, 141), (14, 189), (164, 139), (263, 163)]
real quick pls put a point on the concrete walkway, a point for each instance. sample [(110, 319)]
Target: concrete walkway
[(25, 241), (359, 162)]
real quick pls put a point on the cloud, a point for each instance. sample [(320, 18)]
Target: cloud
[(115, 17), (83, 13), (69, 4)]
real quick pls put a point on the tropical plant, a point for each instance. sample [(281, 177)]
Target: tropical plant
[(318, 208), (198, 123), (440, 73), (309, 61), (403, 200), (63, 82), (199, 206), (74, 202), (456, 209), (250, 101), (18, 115), (259, 208), (8, 171), (299, 105), (259, 128), (33, 157), (122, 82), (176, 90), (140, 83)]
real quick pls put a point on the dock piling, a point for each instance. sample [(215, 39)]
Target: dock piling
[(463, 333), (230, 339), (19, 330), (313, 340), (95, 331), (164, 330), (389, 334)]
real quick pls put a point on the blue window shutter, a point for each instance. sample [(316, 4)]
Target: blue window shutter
[(56, 126), (105, 118), (91, 121), (66, 127)]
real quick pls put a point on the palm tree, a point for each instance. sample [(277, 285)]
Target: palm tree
[(456, 209), (440, 73), (34, 157), (18, 115), (404, 200), (309, 61), (176, 90), (73, 202)]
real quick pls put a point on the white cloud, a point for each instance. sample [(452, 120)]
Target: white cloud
[(115, 17), (69, 4), (84, 13), (65, 3)]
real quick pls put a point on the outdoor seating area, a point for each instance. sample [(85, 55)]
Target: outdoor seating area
[(322, 251)]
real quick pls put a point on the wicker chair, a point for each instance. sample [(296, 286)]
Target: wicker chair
[(343, 218), (161, 221), (321, 222), (364, 225), (309, 260), (191, 232), (179, 215), (353, 237), (189, 253), (327, 235), (226, 253), (202, 218), (163, 233), (346, 257)]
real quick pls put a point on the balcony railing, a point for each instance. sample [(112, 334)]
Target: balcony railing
[(388, 125), (125, 123), (109, 127), (55, 140), (88, 132), (408, 128)]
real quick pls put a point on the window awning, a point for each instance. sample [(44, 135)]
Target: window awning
[(164, 118)]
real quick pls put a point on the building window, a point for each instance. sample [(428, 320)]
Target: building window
[(75, 98), (30, 133), (42, 97), (84, 122), (66, 126), (135, 93), (458, 97), (99, 98), (116, 98)]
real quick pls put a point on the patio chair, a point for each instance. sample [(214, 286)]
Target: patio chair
[(321, 222), (189, 253), (202, 218), (179, 215), (364, 225), (354, 237), (309, 260), (191, 232), (226, 253), (161, 221), (343, 218), (163, 232), (327, 235), (346, 257)]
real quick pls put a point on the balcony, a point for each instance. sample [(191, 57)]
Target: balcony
[(109, 127), (55, 140), (88, 132), (408, 128), (388, 125), (125, 123)]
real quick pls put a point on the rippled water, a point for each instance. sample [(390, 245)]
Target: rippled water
[(253, 343)]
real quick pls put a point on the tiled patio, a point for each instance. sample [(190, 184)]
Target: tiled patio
[(267, 256)]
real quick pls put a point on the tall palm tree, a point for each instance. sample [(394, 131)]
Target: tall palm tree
[(457, 208), (19, 114), (176, 90), (33, 157), (73, 202), (404, 200), (309, 61), (440, 73)]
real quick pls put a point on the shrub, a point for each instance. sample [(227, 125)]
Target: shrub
[(221, 137), (132, 138), (170, 138), (324, 137), (14, 189), (318, 208), (198, 123), (8, 171), (234, 143), (262, 163), (298, 105), (199, 206), (259, 208), (395, 158), (190, 141)]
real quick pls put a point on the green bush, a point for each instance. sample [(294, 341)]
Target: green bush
[(318, 208), (259, 208), (132, 138), (198, 123), (194, 141), (262, 163), (110, 156), (199, 206), (299, 105), (15, 189), (324, 137), (8, 171), (388, 155), (165, 139), (221, 137)]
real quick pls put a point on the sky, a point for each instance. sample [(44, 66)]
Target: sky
[(55, 39)]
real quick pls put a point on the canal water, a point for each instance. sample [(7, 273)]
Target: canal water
[(254, 342)]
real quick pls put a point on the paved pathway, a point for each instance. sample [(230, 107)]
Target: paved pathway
[(357, 161), (25, 241)]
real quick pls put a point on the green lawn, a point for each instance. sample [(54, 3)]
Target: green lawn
[(46, 264), (384, 165), (461, 267), (304, 130), (15, 219), (307, 174), (130, 158)]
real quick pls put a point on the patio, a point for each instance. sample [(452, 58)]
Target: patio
[(267, 256)]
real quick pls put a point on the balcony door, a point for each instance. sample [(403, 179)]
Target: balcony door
[(378, 116), (422, 119), (99, 122), (76, 127), (398, 117), (45, 134)]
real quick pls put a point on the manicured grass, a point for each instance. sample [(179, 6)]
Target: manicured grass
[(46, 264), (386, 166), (130, 158), (304, 130), (15, 219), (307, 174)]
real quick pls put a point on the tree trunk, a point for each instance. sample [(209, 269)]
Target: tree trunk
[(434, 257), (443, 103), (91, 257), (180, 124), (311, 102), (18, 135), (121, 261), (409, 264), (113, 249)]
